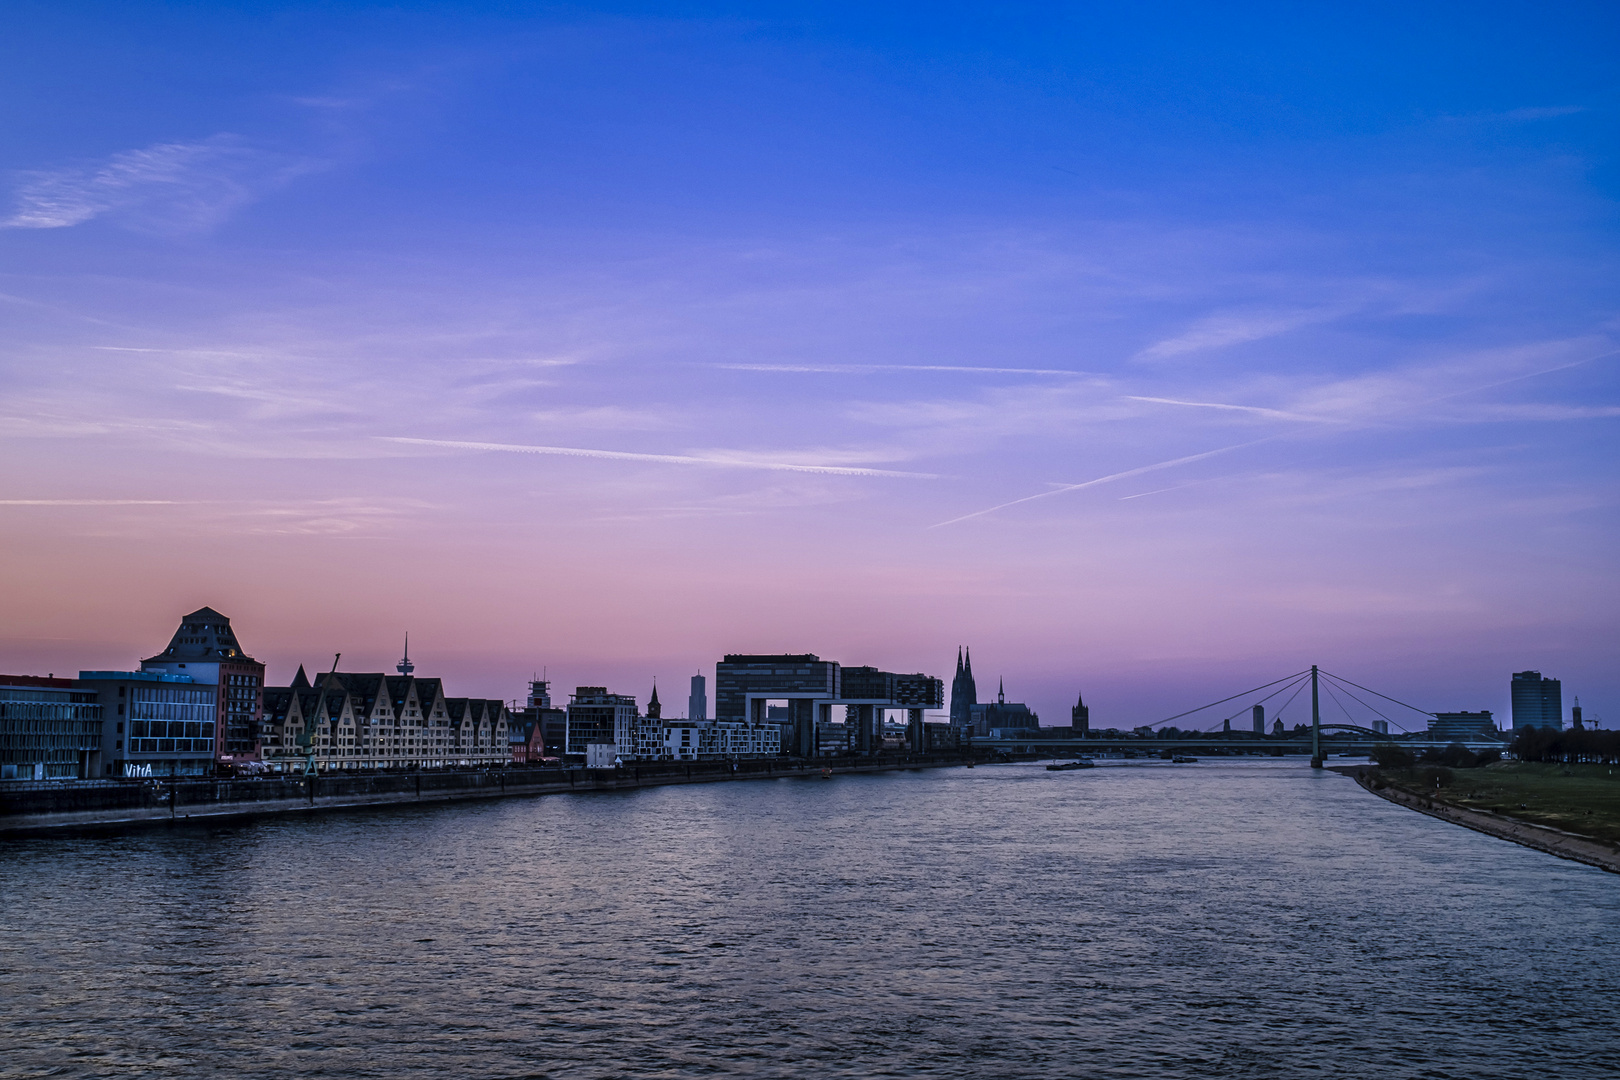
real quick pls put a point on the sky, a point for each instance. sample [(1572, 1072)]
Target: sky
[(1151, 353)]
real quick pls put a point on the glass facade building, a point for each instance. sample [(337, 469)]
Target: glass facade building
[(157, 724), (1537, 702), (50, 729)]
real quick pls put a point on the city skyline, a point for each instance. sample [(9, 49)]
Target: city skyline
[(1151, 354)]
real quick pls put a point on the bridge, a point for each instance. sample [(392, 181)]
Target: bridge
[(1319, 740)]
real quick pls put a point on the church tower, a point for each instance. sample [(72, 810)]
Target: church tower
[(964, 694), (655, 711)]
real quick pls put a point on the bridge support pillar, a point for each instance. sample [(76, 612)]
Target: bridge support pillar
[(802, 714), (865, 741), (915, 732)]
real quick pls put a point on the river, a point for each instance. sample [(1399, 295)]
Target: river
[(1242, 918)]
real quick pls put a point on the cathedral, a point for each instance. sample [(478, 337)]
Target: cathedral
[(969, 716)]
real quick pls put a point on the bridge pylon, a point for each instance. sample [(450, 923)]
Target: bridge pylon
[(1317, 757)]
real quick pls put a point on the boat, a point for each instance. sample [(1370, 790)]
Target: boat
[(1070, 766)]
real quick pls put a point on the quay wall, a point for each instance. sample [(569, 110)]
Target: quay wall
[(35, 807)]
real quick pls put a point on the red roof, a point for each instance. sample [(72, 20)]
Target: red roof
[(39, 680)]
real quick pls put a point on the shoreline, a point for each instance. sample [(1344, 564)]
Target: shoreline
[(1565, 845), (220, 801)]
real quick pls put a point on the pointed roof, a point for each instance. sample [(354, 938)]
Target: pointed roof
[(204, 636), (300, 680)]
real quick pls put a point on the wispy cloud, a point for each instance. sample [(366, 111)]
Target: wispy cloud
[(725, 461), (182, 187), (1234, 328), (89, 502)]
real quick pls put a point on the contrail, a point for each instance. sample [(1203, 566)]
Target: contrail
[(1106, 479), (1233, 408), (853, 369), (666, 459)]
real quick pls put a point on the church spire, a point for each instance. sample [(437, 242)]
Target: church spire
[(1001, 692)]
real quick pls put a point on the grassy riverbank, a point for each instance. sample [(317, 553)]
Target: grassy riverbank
[(1583, 799)]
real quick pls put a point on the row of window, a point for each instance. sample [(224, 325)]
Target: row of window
[(171, 746), (173, 729)]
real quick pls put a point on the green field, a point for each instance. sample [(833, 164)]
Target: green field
[(1581, 799)]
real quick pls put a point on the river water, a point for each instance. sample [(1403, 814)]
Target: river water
[(1244, 918)]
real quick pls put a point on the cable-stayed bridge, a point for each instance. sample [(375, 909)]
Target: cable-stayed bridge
[(1307, 731)]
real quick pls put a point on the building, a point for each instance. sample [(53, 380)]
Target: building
[(596, 716), (1537, 702), (1463, 726), (541, 730), (50, 729), (1259, 718), (1080, 716), (206, 649), (697, 703), (154, 723), (964, 692), (1009, 717), (349, 721), (746, 684)]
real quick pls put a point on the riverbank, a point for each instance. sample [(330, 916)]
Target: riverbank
[(34, 807), (1590, 850)]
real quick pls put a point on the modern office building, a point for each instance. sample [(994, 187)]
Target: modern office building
[(746, 684), (1463, 726), (742, 677), (596, 716), (1537, 702), (154, 723), (50, 729), (205, 648)]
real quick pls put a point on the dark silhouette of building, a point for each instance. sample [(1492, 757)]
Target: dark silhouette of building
[(1537, 702), (964, 694), (1462, 726), (1080, 716)]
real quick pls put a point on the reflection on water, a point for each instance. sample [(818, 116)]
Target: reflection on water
[(1250, 918)]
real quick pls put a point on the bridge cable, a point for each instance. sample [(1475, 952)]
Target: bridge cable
[(1340, 704), (1386, 697), (1291, 698), (1386, 719), (1224, 700), (1262, 701)]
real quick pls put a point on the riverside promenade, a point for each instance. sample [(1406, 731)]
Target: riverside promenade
[(1565, 845), (35, 807)]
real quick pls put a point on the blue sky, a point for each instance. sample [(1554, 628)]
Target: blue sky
[(854, 307)]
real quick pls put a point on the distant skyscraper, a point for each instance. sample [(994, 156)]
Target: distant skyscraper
[(1259, 719), (1080, 715), (1537, 702), (1575, 716), (964, 694), (697, 706)]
